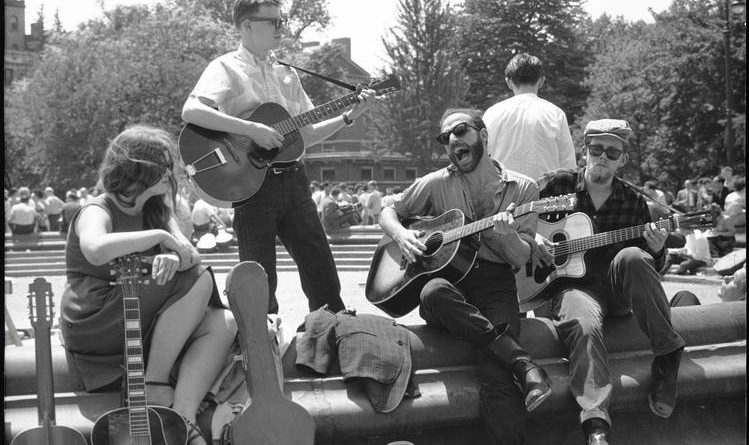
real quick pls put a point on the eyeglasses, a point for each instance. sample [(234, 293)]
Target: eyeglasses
[(277, 22), (458, 130), (611, 153)]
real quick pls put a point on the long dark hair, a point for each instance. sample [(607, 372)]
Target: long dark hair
[(137, 157)]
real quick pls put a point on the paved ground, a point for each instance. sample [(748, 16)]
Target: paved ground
[(293, 304)]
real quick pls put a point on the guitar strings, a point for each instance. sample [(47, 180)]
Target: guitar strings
[(600, 239)]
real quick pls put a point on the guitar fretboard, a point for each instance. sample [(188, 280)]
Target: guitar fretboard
[(136, 379), (557, 204), (606, 238), (316, 115)]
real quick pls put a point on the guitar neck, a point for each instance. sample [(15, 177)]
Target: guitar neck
[(606, 238), (315, 115), (483, 224), (136, 379)]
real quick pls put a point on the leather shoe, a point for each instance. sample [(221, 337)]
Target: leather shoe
[(596, 431), (663, 390)]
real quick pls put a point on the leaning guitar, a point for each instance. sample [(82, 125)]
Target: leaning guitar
[(393, 284), (138, 423), (41, 316), (227, 168), (571, 237)]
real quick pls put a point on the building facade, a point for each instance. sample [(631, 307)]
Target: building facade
[(20, 49), (349, 156)]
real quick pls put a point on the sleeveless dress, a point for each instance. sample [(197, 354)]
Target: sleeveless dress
[(91, 309)]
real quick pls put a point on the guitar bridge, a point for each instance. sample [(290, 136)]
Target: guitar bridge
[(219, 160)]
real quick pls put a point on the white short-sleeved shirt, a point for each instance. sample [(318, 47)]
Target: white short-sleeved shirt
[(529, 135), (237, 83)]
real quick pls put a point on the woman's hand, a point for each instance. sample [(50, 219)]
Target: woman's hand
[(165, 265)]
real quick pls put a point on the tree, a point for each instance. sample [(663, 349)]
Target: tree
[(493, 31), (666, 80), (422, 54), (136, 65)]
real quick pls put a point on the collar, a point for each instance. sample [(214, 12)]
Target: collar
[(617, 186), (252, 59)]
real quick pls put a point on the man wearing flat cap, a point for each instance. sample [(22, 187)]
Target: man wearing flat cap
[(620, 278)]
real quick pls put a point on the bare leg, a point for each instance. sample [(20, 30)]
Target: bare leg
[(203, 360), (173, 329)]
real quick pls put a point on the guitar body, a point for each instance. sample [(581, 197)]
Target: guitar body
[(531, 284), (113, 428), (52, 435), (230, 168), (394, 285)]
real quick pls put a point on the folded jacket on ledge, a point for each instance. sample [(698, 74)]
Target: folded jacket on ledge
[(371, 349)]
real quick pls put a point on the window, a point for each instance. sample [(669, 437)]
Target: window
[(365, 174), (410, 174), (14, 23), (327, 148), (388, 174), (8, 76), (327, 174)]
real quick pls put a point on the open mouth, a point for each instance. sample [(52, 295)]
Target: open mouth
[(462, 152)]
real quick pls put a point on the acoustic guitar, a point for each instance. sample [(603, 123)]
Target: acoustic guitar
[(41, 314), (571, 238), (227, 168), (393, 284), (270, 418), (138, 423)]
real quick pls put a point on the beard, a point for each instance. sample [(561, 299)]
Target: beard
[(458, 157), (599, 175)]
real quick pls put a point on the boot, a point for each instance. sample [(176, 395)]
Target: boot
[(596, 431), (663, 389), (512, 356)]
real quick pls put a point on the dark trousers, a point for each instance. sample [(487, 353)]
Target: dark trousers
[(54, 222), (283, 207), (470, 310)]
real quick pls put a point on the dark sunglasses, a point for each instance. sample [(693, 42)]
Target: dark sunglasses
[(277, 22), (611, 153), (459, 130)]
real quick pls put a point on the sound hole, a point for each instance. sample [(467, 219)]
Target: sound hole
[(433, 243), (559, 258)]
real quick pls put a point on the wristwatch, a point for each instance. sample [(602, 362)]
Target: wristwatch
[(347, 120)]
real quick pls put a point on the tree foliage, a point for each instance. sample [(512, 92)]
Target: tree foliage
[(667, 80), (136, 65), (493, 31), (422, 53)]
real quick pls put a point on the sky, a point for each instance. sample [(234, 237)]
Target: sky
[(365, 21)]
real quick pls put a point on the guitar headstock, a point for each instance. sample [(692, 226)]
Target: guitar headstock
[(129, 271), (704, 219), (41, 306), (389, 84), (554, 204)]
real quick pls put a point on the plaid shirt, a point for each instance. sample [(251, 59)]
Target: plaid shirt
[(623, 208)]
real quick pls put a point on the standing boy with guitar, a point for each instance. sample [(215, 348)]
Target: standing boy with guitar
[(231, 87), (482, 308), (620, 279)]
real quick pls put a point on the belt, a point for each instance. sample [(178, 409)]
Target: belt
[(285, 167)]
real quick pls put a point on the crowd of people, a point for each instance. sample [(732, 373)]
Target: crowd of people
[(520, 150)]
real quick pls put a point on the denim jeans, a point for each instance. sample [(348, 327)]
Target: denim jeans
[(283, 207), (633, 286), (470, 310)]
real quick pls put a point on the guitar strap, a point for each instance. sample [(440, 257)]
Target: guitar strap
[(648, 197), (331, 80)]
